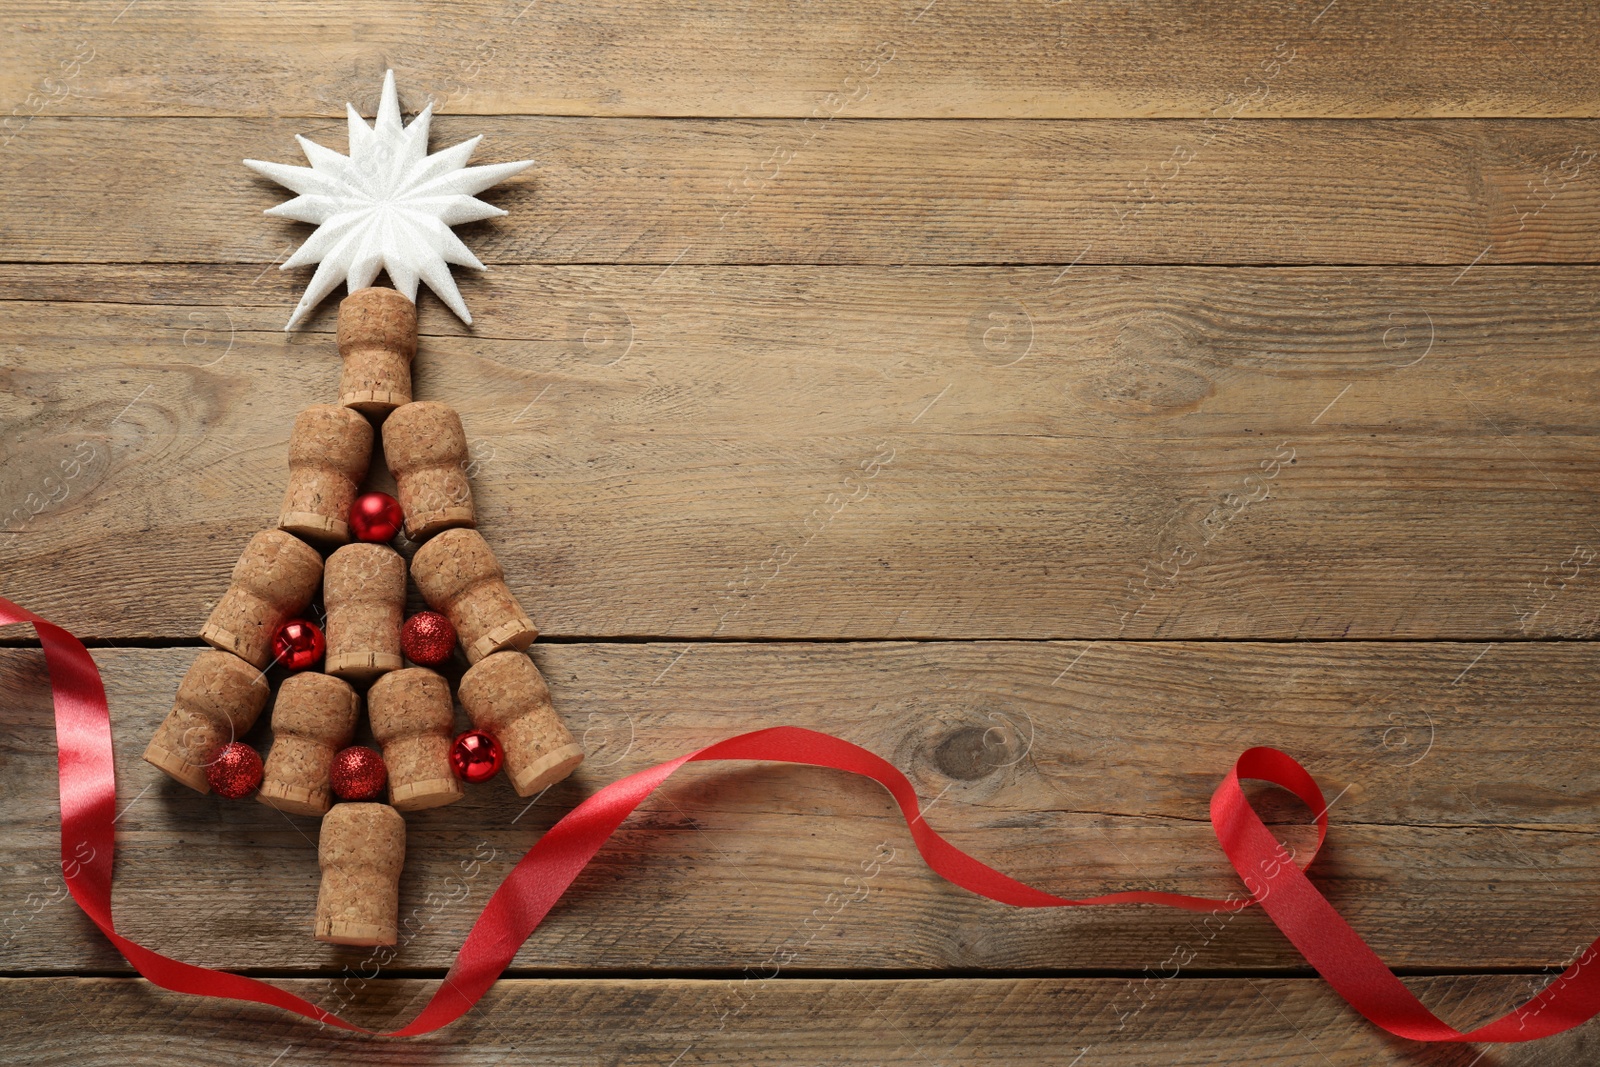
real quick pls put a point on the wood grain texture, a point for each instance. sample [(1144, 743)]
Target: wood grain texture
[(811, 323), (1461, 779), (951, 58), (865, 192), (858, 452), (683, 1023)]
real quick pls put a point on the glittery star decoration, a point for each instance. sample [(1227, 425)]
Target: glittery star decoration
[(388, 205)]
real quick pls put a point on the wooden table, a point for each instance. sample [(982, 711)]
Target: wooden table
[(1054, 398)]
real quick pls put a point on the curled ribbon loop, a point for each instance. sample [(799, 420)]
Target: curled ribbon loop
[(542, 876)]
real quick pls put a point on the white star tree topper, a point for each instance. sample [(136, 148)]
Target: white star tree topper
[(388, 205)]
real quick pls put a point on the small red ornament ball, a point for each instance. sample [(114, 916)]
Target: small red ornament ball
[(359, 773), (428, 638), (298, 644), (235, 772), (376, 517), (475, 756)]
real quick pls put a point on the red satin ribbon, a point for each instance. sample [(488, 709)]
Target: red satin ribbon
[(1274, 880)]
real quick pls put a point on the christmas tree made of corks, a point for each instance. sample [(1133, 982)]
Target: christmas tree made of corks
[(361, 847)]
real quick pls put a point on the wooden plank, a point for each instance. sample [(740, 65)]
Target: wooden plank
[(906, 58), (1095, 454), (917, 192), (767, 1020), (1461, 777)]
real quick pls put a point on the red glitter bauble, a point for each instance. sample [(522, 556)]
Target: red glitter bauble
[(298, 644), (475, 756), (428, 638), (359, 773), (235, 771), (376, 517)]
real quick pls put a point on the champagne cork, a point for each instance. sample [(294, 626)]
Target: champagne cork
[(458, 575), (218, 701), (313, 718), (364, 592), (505, 695), (329, 450), (360, 850), (412, 717), (272, 583), (426, 449), (377, 338)]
